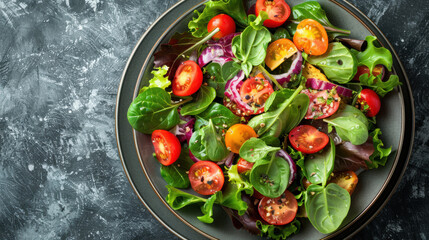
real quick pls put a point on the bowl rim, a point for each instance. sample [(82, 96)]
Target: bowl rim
[(387, 188)]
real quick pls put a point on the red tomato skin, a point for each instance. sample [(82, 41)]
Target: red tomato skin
[(171, 144), (315, 105), (202, 173), (307, 139), (225, 24), (258, 97), (243, 165), (370, 98), (280, 5), (194, 79), (278, 211), (305, 38)]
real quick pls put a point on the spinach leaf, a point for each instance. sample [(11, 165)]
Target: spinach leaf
[(234, 8), (255, 149), (205, 97), (313, 10), (178, 199), (350, 111), (281, 33), (373, 55), (349, 129), (270, 177), (250, 47), (279, 232), (207, 209), (207, 144), (327, 207), (152, 110), (272, 141), (219, 75), (277, 98), (276, 122), (175, 176), (319, 166), (337, 63), (159, 79), (379, 157), (221, 116)]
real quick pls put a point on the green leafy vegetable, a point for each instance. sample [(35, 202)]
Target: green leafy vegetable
[(327, 207), (373, 55), (255, 149), (350, 111), (221, 116), (175, 176), (379, 86), (271, 141), (313, 10), (207, 209), (337, 63), (152, 110), (279, 232), (270, 177), (379, 157), (233, 8), (281, 33), (207, 144), (319, 166), (219, 75), (178, 199), (205, 97), (159, 79), (349, 129)]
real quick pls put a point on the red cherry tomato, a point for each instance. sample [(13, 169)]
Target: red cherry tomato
[(368, 102), (308, 139), (225, 24), (244, 166), (322, 103), (311, 37), (255, 92), (278, 211), (237, 135), (278, 12), (365, 70), (188, 79), (206, 177), (347, 180), (278, 51), (167, 146)]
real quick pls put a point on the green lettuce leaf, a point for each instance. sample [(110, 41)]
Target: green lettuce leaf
[(160, 78), (207, 209), (380, 87), (279, 232), (178, 199), (379, 157), (373, 55)]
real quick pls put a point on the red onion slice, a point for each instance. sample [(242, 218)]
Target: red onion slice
[(232, 91), (295, 68), (324, 85), (292, 165), (209, 54)]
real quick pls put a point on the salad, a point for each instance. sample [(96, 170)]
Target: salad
[(268, 111)]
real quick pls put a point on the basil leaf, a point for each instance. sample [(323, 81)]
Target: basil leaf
[(178, 199), (152, 110), (207, 209), (250, 47), (270, 177), (277, 98), (219, 75), (220, 115), (313, 10), (327, 207), (349, 129), (337, 63), (234, 8), (319, 166), (379, 157), (207, 144), (255, 149), (205, 97)]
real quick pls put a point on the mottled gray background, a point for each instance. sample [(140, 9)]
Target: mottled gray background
[(60, 66)]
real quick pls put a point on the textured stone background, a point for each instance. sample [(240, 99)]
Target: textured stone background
[(60, 66)]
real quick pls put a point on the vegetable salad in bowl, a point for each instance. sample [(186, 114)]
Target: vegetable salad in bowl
[(269, 112)]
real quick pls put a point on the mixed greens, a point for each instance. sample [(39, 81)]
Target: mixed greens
[(267, 112)]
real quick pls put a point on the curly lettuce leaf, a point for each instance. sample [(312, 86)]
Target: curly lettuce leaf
[(379, 157), (178, 199), (207, 209), (279, 232), (159, 78), (379, 86), (234, 8), (373, 55)]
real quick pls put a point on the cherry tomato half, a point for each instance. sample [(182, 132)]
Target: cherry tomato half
[(243, 165), (167, 146), (278, 12), (308, 139), (225, 24), (323, 103), (206, 177), (365, 70), (278, 211), (255, 92), (347, 180), (237, 135), (188, 79), (311, 37), (368, 102), (278, 51)]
